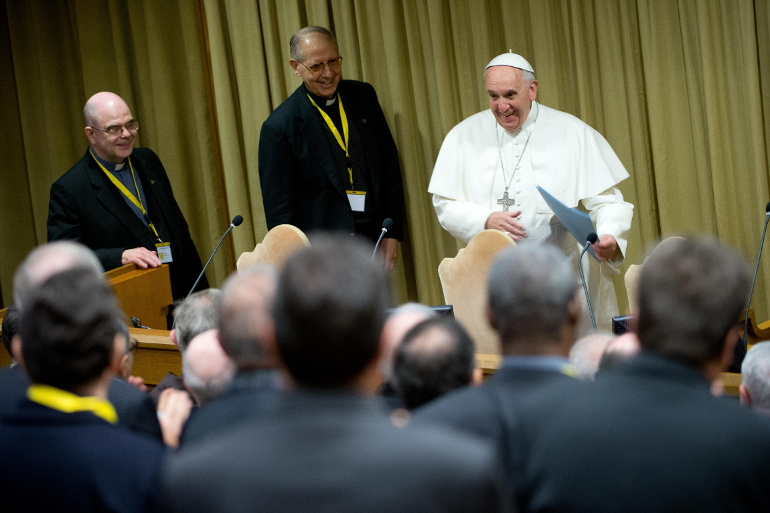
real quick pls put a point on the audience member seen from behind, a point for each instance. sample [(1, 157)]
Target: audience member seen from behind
[(399, 322), (328, 445), (136, 411), (247, 336), (10, 326), (435, 357), (755, 385), (534, 306), (206, 368), (653, 419), (60, 449), (193, 316)]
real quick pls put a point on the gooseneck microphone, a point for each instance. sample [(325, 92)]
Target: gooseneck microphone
[(387, 224), (237, 220), (754, 280), (592, 237)]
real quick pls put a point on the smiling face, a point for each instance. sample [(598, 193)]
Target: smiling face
[(318, 49), (108, 110), (510, 97)]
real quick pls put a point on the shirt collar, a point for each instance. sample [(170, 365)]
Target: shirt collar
[(556, 363), (67, 402), (110, 166)]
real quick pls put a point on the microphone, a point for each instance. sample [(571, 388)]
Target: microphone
[(753, 281), (592, 237), (237, 220), (387, 224)]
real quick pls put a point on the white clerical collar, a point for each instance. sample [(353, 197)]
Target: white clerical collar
[(329, 103)]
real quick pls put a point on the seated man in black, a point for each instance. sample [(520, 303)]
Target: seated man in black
[(60, 448)]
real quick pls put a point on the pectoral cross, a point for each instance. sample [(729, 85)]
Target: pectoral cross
[(506, 202)]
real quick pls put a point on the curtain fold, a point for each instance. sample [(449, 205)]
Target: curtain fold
[(676, 87)]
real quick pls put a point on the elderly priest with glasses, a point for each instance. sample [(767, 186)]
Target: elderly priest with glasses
[(117, 200), (327, 159)]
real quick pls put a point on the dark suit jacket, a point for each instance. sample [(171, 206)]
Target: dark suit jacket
[(250, 395), (136, 411), (334, 452), (498, 411), (74, 462), (650, 437), (301, 184), (86, 207)]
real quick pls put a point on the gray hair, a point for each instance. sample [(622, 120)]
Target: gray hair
[(196, 314), (246, 312), (756, 376), (527, 76), (295, 43), (89, 113), (48, 259), (530, 290)]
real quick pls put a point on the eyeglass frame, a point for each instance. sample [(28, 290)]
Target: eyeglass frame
[(119, 128), (331, 62)]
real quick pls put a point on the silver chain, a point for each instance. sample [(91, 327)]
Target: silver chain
[(506, 182)]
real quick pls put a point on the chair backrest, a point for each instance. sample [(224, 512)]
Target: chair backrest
[(277, 246), (631, 279), (464, 281)]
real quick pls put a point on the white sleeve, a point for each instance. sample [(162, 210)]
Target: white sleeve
[(460, 218), (611, 216)]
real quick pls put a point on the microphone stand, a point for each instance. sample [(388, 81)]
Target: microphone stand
[(753, 281), (592, 237)]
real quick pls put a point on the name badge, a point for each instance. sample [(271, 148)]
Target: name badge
[(164, 252), (357, 200)]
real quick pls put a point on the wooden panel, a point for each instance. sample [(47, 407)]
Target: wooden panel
[(143, 293), (155, 356)]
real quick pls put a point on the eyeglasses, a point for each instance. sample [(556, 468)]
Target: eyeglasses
[(132, 126), (317, 69)]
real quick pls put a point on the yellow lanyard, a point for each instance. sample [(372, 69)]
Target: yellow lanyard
[(343, 145), (67, 402), (122, 188)]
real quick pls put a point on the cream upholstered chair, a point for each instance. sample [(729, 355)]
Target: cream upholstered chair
[(277, 246), (464, 281), (631, 279)]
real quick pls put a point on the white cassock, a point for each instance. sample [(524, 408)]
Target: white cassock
[(567, 158)]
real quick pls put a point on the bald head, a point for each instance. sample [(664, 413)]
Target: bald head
[(245, 316), (48, 259), (105, 112), (100, 104), (206, 368), (398, 323)]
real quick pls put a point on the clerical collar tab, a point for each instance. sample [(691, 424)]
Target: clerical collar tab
[(511, 59)]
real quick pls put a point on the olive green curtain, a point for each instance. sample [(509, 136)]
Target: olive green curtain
[(676, 87), (53, 56)]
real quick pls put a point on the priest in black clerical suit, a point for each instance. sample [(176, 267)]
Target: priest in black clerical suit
[(96, 201), (337, 170)]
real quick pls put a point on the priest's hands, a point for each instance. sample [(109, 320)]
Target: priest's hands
[(389, 252), (507, 222), (142, 257), (605, 247)]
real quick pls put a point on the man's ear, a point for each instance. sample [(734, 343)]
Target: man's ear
[(744, 394), (16, 352), (172, 336), (295, 66), (118, 352), (574, 309), (491, 317)]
